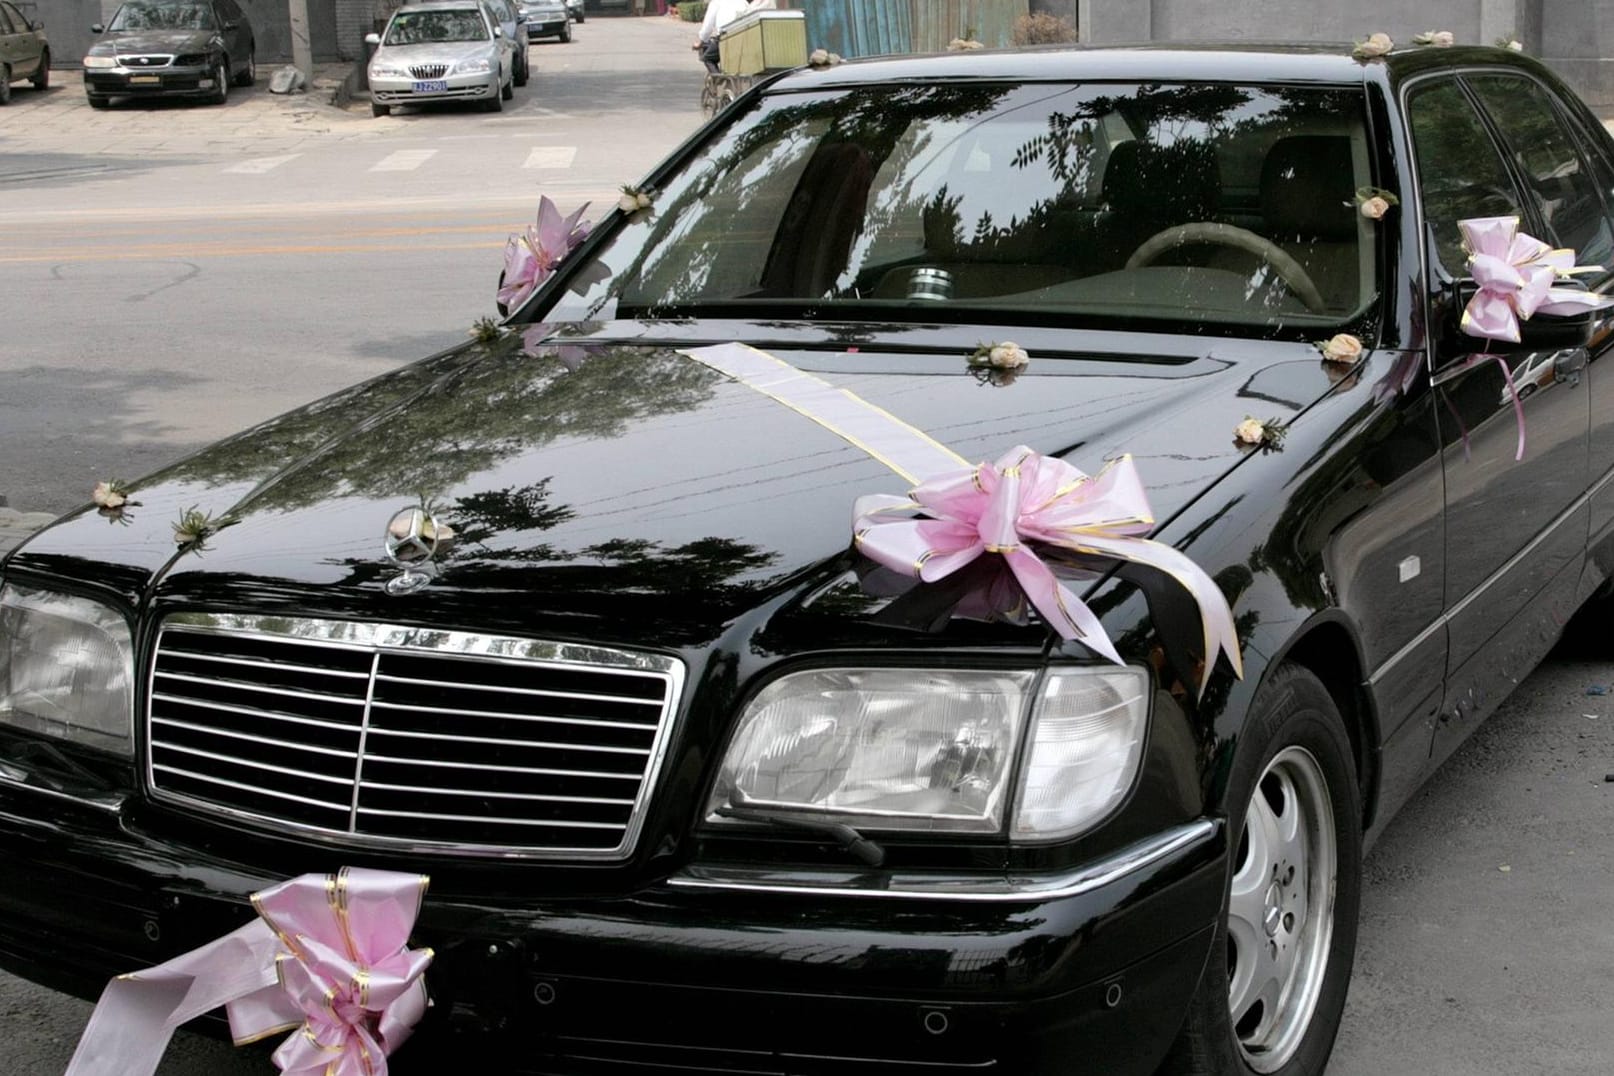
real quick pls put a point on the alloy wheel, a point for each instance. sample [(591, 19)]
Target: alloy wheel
[(1280, 920)]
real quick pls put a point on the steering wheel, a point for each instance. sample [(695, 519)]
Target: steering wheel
[(1228, 235)]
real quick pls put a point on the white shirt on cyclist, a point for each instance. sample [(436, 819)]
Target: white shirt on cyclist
[(719, 13)]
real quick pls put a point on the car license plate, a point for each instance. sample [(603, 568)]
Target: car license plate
[(145, 80), (434, 86)]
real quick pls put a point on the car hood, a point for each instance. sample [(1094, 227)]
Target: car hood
[(136, 42), (437, 52), (618, 491)]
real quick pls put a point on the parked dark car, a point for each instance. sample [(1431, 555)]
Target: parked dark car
[(24, 51), (171, 48), (576, 624)]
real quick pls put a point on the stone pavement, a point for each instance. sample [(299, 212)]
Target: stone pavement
[(63, 114)]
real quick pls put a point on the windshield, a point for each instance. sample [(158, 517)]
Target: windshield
[(164, 17), (1219, 204), (422, 27)]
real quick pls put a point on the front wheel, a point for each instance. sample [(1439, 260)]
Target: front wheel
[(377, 109), (566, 35), (5, 83), (98, 100), (221, 83), (1274, 988), (41, 78), (522, 72), (508, 90), (249, 71)]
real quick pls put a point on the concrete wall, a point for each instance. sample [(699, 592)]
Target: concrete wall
[(1575, 37), (67, 27)]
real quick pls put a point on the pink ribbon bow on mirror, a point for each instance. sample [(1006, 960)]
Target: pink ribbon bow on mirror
[(1515, 273), (532, 257), (1024, 498), (327, 956)]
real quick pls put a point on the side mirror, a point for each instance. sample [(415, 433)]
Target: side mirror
[(39, 24), (498, 31), (372, 39), (1544, 332), (231, 25), (97, 28)]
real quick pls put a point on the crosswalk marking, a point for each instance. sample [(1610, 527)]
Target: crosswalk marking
[(260, 165), (403, 160), (551, 157)]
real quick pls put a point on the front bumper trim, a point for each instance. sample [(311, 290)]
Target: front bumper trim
[(1011, 888)]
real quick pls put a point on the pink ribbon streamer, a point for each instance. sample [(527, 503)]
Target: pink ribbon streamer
[(533, 256), (327, 956), (999, 508)]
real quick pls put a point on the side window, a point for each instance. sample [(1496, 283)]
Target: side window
[(1459, 170), (5, 23), (1558, 179)]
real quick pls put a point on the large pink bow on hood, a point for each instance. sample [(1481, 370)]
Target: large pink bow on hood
[(533, 256), (1006, 507), (328, 956), (1516, 273)]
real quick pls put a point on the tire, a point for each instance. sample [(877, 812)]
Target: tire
[(221, 84), (5, 83), (41, 77), (580, 19), (709, 98), (1281, 942), (494, 103), (507, 91), (521, 75), (248, 74), (380, 110), (566, 34), (98, 100)]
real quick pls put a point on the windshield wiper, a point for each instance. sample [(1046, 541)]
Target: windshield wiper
[(847, 838)]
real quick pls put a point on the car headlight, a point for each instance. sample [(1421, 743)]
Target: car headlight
[(100, 63), (387, 71), (472, 67), (66, 668), (918, 749)]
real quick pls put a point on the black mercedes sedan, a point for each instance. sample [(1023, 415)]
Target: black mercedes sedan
[(171, 48), (948, 575)]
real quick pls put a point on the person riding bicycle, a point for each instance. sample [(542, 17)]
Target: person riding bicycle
[(719, 13)]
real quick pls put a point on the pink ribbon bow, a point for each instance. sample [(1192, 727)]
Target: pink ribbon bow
[(533, 256), (327, 956), (1515, 273), (1026, 498)]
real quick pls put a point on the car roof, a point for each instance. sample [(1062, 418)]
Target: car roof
[(442, 5), (1322, 63)]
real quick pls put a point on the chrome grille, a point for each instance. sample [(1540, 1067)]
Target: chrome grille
[(429, 70), (380, 734), (145, 61)]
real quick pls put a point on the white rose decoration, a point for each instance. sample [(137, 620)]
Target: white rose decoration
[(1341, 348), (1443, 39), (1374, 208), (628, 203), (1252, 431), (1007, 356), (107, 495), (1376, 45)]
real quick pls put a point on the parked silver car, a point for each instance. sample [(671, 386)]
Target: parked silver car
[(548, 18), (24, 52), (453, 50)]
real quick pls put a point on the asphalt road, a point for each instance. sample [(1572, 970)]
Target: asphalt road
[(168, 275)]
